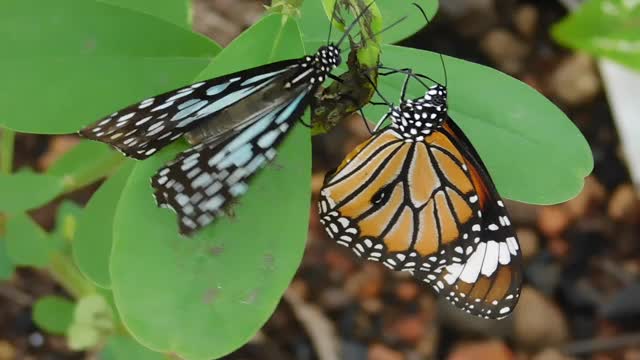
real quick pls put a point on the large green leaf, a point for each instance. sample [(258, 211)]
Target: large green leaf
[(92, 245), (175, 11), (607, 28), (27, 190), (53, 314), (27, 244), (80, 165), (125, 348), (534, 153), (205, 296), (315, 23), (84, 59), (6, 265)]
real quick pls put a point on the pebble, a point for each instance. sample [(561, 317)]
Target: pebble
[(492, 349), (551, 354), (334, 299), (538, 323), (381, 352), (575, 80), (526, 20), (558, 247), (409, 329), (365, 284), (624, 205), (7, 351), (592, 194), (407, 290), (529, 242), (553, 220), (521, 213), (505, 49)]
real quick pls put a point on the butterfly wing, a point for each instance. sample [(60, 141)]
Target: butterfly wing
[(200, 181), (417, 207), (142, 129)]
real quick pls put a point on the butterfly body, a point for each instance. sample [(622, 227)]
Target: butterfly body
[(415, 197), (234, 122)]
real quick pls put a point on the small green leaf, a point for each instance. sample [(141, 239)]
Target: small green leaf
[(27, 244), (205, 296), (175, 11), (92, 322), (6, 265), (27, 190), (53, 314), (315, 21), (92, 246), (126, 348), (80, 165), (607, 28), (67, 220), (534, 153), (86, 59)]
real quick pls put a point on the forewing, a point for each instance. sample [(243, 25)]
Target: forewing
[(142, 129), (201, 181)]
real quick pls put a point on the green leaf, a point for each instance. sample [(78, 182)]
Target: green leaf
[(92, 246), (92, 322), (534, 153), (205, 296), (6, 265), (126, 348), (67, 220), (315, 24), (85, 59), (27, 190), (53, 314), (27, 244), (175, 11), (83, 163), (606, 28)]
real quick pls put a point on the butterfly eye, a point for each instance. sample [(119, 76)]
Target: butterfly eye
[(382, 196)]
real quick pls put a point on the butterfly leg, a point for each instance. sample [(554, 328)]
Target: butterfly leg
[(334, 78), (375, 88)]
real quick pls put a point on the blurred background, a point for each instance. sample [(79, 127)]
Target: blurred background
[(581, 298)]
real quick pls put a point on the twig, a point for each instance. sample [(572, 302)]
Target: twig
[(596, 345), (318, 327)]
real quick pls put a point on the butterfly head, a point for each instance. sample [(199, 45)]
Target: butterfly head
[(327, 58)]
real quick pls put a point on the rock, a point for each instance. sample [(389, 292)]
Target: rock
[(7, 351), (521, 213), (529, 242), (624, 205), (492, 349), (372, 306), (551, 354), (367, 283), (593, 193), (334, 299), (407, 290), (338, 261), (505, 49), (381, 352), (526, 20), (558, 247), (575, 81), (408, 328), (538, 323), (553, 220)]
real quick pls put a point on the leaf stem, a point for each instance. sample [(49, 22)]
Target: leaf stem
[(66, 274), (91, 175), (6, 150)]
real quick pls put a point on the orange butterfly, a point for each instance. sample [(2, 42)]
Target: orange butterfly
[(417, 197)]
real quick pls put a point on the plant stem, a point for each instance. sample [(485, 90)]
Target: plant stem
[(66, 274), (6, 151), (91, 175)]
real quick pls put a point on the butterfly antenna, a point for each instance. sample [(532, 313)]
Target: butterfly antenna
[(353, 24), (444, 69), (333, 15)]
